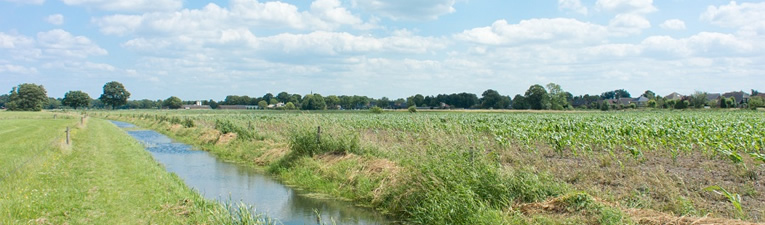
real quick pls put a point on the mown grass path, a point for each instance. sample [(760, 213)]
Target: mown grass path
[(104, 177)]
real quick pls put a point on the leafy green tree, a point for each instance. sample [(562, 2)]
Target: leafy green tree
[(698, 99), (289, 106), (262, 104), (27, 97), (267, 97), (558, 97), (332, 101), (52, 103), (313, 102), (384, 103), (76, 99), (536, 97), (115, 94), (172, 102), (756, 102), (283, 97), (3, 100), (412, 109), (491, 99), (649, 94), (376, 110), (682, 104), (273, 101), (519, 102)]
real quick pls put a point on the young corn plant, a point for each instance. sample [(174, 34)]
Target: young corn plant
[(733, 198)]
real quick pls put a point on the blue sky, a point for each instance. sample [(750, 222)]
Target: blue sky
[(396, 48)]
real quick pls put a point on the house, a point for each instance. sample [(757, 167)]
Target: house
[(642, 101), (237, 107), (674, 96), (740, 96), (198, 105), (627, 101), (713, 96)]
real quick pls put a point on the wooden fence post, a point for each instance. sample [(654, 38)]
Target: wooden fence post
[(67, 135), (318, 135)]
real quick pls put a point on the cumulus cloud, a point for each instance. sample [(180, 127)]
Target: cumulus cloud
[(628, 24), (61, 43), (406, 9), (55, 19), (710, 44), (573, 5), (673, 24), (241, 14), (626, 6), (539, 31), (748, 17), (34, 2), (128, 5), (16, 69)]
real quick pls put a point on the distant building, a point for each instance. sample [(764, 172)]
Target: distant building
[(198, 105), (237, 107), (740, 96), (642, 101), (674, 96), (713, 96)]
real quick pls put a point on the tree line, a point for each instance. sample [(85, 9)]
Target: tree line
[(32, 97)]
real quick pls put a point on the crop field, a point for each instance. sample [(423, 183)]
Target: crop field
[(102, 177), (647, 167)]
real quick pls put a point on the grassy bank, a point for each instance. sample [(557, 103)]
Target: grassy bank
[(103, 177), (499, 168)]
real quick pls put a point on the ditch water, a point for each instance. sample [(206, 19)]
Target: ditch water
[(223, 181)]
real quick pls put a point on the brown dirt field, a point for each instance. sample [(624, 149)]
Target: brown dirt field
[(655, 181)]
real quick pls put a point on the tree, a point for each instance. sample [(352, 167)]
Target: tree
[(615, 94), (490, 99), (115, 94), (756, 102), (558, 98), (3, 100), (283, 97), (536, 97), (52, 103), (698, 99), (332, 101), (649, 94), (519, 102), (289, 106), (384, 103), (172, 102), (27, 97), (76, 99), (313, 102), (262, 104)]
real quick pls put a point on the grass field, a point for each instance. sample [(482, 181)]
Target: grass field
[(103, 177), (648, 167)]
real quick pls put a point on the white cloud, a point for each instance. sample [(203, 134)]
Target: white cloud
[(10, 41), (628, 24), (241, 14), (129, 5), (673, 24), (63, 44), (34, 2), (16, 69), (407, 9), (708, 44), (539, 31), (55, 19), (573, 5), (748, 17), (626, 6)]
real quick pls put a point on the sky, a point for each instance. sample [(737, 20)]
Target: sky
[(197, 49)]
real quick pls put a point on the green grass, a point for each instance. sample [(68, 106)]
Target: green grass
[(104, 177), (477, 168)]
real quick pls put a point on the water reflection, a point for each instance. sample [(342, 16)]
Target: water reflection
[(224, 181)]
